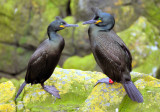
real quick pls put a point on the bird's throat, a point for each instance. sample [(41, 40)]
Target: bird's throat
[(52, 35)]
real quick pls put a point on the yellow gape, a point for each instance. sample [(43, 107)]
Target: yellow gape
[(62, 26), (98, 21)]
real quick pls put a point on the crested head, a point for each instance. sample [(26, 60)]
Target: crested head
[(102, 19), (105, 19), (59, 18), (57, 25), (96, 10)]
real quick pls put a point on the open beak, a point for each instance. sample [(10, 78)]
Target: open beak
[(92, 22)]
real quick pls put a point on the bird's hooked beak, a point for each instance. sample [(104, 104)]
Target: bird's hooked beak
[(68, 25), (92, 22)]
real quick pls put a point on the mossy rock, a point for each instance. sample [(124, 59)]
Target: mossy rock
[(124, 15), (151, 11), (150, 65), (112, 97), (23, 26), (142, 39), (74, 87), (7, 93), (78, 93), (82, 63)]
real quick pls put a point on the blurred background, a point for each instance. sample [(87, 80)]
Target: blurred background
[(23, 26)]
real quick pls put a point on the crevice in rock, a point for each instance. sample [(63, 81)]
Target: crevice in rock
[(68, 9), (28, 47), (13, 73)]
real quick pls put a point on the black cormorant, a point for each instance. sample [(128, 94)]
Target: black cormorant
[(44, 60), (111, 53)]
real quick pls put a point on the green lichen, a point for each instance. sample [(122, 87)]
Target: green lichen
[(110, 98), (74, 6), (82, 63), (78, 93), (141, 38), (151, 97), (74, 87), (150, 65), (152, 11)]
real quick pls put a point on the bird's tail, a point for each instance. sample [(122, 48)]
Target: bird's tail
[(133, 92), (20, 89)]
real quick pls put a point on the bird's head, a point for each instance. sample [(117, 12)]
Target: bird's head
[(101, 19), (59, 24)]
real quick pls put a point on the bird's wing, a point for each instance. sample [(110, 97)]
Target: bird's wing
[(125, 49), (112, 51), (128, 55), (37, 66)]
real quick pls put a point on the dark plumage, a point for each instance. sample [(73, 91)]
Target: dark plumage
[(111, 53), (44, 60)]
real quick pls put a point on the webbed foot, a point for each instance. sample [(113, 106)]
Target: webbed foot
[(52, 90), (104, 80)]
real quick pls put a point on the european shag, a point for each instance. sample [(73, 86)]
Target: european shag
[(44, 60), (111, 53)]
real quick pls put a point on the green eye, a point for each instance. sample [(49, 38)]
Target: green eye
[(61, 23), (99, 18)]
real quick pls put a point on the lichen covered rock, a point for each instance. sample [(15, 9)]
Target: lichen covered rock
[(82, 63), (143, 40), (151, 11), (78, 94), (74, 87), (112, 97), (7, 92)]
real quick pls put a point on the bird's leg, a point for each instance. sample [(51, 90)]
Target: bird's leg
[(51, 89), (105, 80)]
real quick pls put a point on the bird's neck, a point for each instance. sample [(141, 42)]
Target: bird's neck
[(52, 35)]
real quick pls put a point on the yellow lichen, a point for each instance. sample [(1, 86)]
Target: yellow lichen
[(73, 83), (8, 107), (7, 91), (35, 94)]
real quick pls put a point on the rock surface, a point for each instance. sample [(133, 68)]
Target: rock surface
[(77, 94), (109, 98), (23, 27), (83, 63), (143, 41)]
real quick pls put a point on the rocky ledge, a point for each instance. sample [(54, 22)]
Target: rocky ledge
[(78, 94)]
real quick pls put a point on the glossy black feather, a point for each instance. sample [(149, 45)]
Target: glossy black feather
[(111, 53), (44, 60)]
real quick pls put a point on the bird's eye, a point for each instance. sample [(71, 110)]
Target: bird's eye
[(99, 18), (61, 23)]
